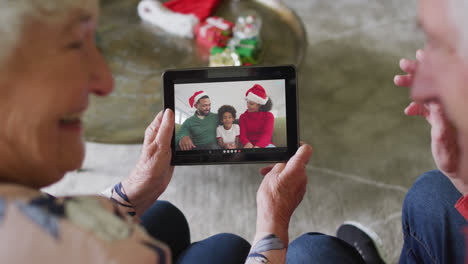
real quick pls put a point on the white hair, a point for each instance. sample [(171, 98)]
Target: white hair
[(458, 14), (15, 13)]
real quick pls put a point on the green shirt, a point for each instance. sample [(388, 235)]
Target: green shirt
[(201, 131)]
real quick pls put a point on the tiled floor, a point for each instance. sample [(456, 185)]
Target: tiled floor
[(367, 153)]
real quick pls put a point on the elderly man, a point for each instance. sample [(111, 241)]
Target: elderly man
[(198, 132), (49, 66), (435, 210)]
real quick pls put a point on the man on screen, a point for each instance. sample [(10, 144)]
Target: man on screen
[(199, 131)]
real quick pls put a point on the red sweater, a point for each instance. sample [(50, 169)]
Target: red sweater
[(256, 128), (462, 207)]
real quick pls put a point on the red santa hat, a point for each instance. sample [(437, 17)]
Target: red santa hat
[(177, 17), (257, 94), (195, 97), (200, 8)]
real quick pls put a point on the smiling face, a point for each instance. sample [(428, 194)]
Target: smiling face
[(443, 74), (228, 119), (252, 106), (45, 88), (203, 106)]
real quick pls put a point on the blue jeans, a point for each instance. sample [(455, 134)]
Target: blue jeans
[(432, 227), (167, 224), (432, 230), (320, 248)]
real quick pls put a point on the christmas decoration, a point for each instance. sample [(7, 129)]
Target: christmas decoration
[(178, 17), (248, 26), (215, 31), (224, 58)]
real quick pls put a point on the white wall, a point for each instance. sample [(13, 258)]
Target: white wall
[(230, 93)]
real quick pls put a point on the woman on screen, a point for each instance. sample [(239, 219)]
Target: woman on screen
[(256, 124)]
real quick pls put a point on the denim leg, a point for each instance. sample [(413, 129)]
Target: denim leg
[(221, 248), (320, 248), (432, 227), (166, 223)]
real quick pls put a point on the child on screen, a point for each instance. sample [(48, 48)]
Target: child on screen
[(228, 133)]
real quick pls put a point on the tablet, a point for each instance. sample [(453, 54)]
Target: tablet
[(226, 115)]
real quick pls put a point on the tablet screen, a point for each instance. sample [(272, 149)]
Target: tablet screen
[(230, 117), (232, 114)]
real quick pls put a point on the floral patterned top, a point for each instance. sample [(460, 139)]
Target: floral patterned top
[(38, 228)]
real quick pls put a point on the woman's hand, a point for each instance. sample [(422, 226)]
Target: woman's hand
[(249, 145), (231, 146), (281, 191), (153, 172)]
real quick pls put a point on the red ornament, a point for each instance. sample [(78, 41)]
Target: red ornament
[(215, 31)]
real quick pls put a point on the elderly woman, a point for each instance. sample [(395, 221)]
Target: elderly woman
[(49, 65)]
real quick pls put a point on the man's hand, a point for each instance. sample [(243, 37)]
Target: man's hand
[(443, 135), (281, 191), (186, 143), (153, 172), (444, 145)]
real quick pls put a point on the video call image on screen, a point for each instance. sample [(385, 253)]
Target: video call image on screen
[(230, 116)]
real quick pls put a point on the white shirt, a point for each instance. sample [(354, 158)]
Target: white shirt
[(228, 136)]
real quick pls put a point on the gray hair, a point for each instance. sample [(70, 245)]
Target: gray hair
[(458, 14), (15, 13)]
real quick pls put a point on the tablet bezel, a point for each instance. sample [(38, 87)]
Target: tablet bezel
[(232, 74)]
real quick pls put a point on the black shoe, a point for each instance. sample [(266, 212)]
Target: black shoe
[(362, 239)]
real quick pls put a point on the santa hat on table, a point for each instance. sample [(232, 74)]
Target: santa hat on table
[(257, 94), (195, 97), (200, 8), (178, 17)]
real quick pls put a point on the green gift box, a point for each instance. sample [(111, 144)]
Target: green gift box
[(247, 48), (246, 52), (216, 50), (248, 43)]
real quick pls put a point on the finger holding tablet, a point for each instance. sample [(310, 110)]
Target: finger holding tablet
[(280, 192)]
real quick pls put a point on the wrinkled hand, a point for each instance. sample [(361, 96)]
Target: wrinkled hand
[(444, 144), (186, 143), (153, 172), (443, 135), (280, 192)]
